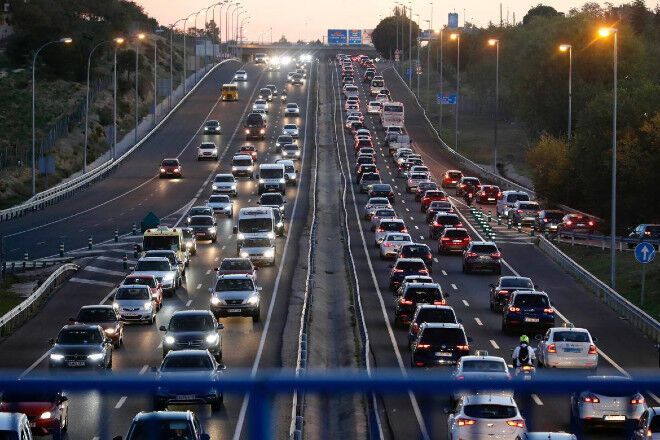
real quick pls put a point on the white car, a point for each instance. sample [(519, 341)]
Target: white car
[(485, 417), (260, 250), (391, 244), (240, 75), (221, 204), (350, 120), (381, 214), (260, 104), (291, 130), (567, 347), (597, 405), (420, 169), (481, 366), (225, 184), (374, 204), (291, 151), (134, 303), (242, 165), (207, 150), (373, 108), (414, 180), (290, 173), (292, 109), (386, 227), (382, 98)]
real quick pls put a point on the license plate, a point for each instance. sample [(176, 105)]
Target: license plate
[(199, 233), (484, 258), (442, 354), (76, 363), (490, 199), (456, 241), (614, 418), (571, 350), (531, 319), (185, 397), (234, 310)]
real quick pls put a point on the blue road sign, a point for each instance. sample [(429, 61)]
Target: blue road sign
[(409, 72), (644, 252), (355, 36), (452, 20), (337, 36), (446, 98)]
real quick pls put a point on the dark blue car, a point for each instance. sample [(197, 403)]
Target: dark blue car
[(405, 267), (528, 311)]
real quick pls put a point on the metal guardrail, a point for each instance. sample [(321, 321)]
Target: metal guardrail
[(22, 312), (636, 316), (24, 265), (603, 239), (66, 189)]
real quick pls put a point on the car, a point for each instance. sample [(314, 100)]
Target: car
[(145, 280), (404, 267), (528, 311), (350, 120), (297, 79), (598, 405), (412, 295), (373, 204), (384, 213), (386, 227), (283, 140), (266, 94), (382, 98), (273, 88), (363, 143), (648, 427), (278, 220), (373, 107), (80, 346), (224, 184), (547, 436), (171, 255), (391, 243), (567, 347), (507, 199), (105, 317), (576, 224), (232, 266), (289, 75), (189, 240), (236, 295), (292, 109), (249, 150), (453, 240), (480, 366), (644, 232), (423, 187), (547, 220), (468, 184), (134, 303), (193, 329), (366, 150), (417, 250), (482, 255), (363, 131), (182, 425), (488, 194), (504, 287), (443, 220), (47, 412), (167, 274), (207, 150), (260, 104), (431, 195), (170, 168), (198, 210), (291, 130), (264, 116), (404, 168), (240, 75), (419, 167), (437, 207), (366, 168), (439, 344), (272, 199), (383, 190), (188, 364), (367, 181), (428, 313), (290, 173), (242, 165), (291, 151), (204, 226), (221, 204), (524, 213), (255, 126), (260, 250), (415, 179), (212, 127), (493, 416)]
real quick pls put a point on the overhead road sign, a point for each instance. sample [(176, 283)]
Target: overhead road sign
[(337, 36), (355, 36), (446, 98), (452, 20)]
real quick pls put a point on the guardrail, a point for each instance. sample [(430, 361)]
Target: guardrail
[(603, 239), (22, 312), (636, 316), (66, 189), (23, 265)]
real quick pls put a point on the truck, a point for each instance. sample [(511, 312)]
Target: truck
[(392, 114)]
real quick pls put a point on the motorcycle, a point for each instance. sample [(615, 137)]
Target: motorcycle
[(525, 372), (469, 197), (283, 97)]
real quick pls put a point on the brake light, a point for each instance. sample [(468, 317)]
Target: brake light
[(467, 240), (639, 401), (460, 377), (397, 271), (483, 193), (591, 222), (471, 254), (503, 292), (424, 346), (406, 302), (437, 224), (424, 271), (569, 222), (548, 310), (446, 239), (429, 256), (415, 327), (404, 230), (466, 422), (439, 303), (517, 423), (388, 244), (520, 211), (463, 347), (514, 309), (649, 434), (545, 220), (552, 348), (496, 255), (592, 349), (590, 399), (458, 225), (381, 230)]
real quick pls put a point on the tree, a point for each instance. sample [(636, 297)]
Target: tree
[(283, 40), (549, 158), (384, 36), (540, 11)]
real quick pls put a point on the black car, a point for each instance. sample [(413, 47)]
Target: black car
[(105, 317), (189, 240), (528, 310), (383, 190), (645, 232), (212, 127), (412, 295), (430, 313), (364, 160), (193, 329), (367, 168), (204, 227), (422, 188), (405, 267), (368, 76), (266, 93), (282, 140), (439, 344), (437, 206), (198, 210), (279, 219), (166, 425), (272, 199), (505, 286), (468, 184), (441, 221), (489, 194), (418, 250), (81, 346), (482, 255), (547, 220)]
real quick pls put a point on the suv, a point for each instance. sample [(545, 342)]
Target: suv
[(507, 199), (453, 239), (524, 212), (204, 227), (207, 150), (468, 184), (439, 344), (441, 221), (430, 313), (193, 329), (236, 295), (255, 126), (166, 425), (417, 250), (528, 310), (482, 255), (412, 295), (167, 274), (405, 267), (547, 220), (488, 194)]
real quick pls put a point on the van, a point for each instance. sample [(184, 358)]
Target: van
[(508, 199), (271, 178), (229, 92), (254, 222), (168, 239), (15, 426)]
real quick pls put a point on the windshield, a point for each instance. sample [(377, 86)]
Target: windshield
[(152, 266), (170, 163), (132, 293), (79, 337), (241, 162), (531, 301), (224, 284), (517, 282), (448, 219), (225, 178), (570, 336), (144, 281), (104, 314), (200, 211), (254, 119), (290, 127), (447, 336), (456, 233), (410, 265), (236, 264), (378, 201), (377, 83), (256, 242), (191, 362), (219, 199), (201, 221), (443, 315), (285, 139), (160, 429), (271, 173), (415, 250), (511, 198), (488, 411), (392, 226), (252, 225), (383, 187), (160, 242), (393, 108), (192, 323), (483, 248), (483, 366)]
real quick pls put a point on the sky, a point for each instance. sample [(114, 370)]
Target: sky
[(310, 19)]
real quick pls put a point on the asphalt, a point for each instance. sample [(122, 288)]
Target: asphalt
[(247, 345)]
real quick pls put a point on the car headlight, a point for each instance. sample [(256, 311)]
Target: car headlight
[(169, 340), (214, 187), (250, 168), (282, 180), (215, 301), (212, 229), (297, 153), (247, 131), (162, 170), (95, 356), (188, 219), (253, 300), (244, 255), (234, 168), (284, 153), (168, 278), (188, 244), (241, 236), (212, 339), (56, 357), (147, 305), (269, 253), (233, 186), (280, 224), (261, 181), (110, 331), (45, 415), (115, 306)]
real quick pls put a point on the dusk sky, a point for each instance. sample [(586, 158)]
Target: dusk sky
[(309, 20)]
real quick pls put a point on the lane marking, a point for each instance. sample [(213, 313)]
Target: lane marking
[(199, 286), (537, 399), (144, 369), (467, 304), (435, 259), (478, 321), (494, 344), (453, 286), (444, 273), (188, 303), (103, 271), (95, 282), (208, 272), (120, 403)]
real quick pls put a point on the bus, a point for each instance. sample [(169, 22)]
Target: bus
[(164, 238), (391, 114)]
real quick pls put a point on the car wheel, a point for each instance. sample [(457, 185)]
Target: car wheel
[(216, 405), (214, 239), (257, 316)]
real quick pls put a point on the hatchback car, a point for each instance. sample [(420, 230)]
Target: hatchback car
[(81, 346), (429, 313), (373, 204), (204, 226), (170, 168), (451, 178), (386, 227), (405, 267), (504, 287), (292, 109), (221, 204), (494, 416), (482, 255), (567, 347), (453, 240), (193, 329), (236, 295), (598, 405), (149, 281), (383, 190), (133, 303), (167, 274), (488, 194), (47, 411), (224, 184), (439, 344), (182, 425), (468, 184), (547, 220), (431, 196), (412, 295), (441, 221), (528, 311)]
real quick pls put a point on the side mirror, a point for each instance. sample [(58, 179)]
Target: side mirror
[(220, 326), (259, 288), (51, 342), (72, 320), (162, 328), (222, 367), (235, 229)]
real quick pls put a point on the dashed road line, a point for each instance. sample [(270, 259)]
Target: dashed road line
[(453, 286), (444, 273), (144, 369), (467, 304), (188, 303), (120, 403), (478, 321), (494, 344), (537, 399)]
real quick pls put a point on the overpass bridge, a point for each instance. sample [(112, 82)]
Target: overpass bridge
[(247, 50)]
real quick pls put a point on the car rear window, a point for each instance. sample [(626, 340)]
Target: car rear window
[(410, 265), (219, 199), (444, 315), (385, 213), (423, 294), (471, 181), (483, 366), (383, 187), (433, 193), (517, 282), (227, 178), (448, 219), (555, 216), (456, 233), (415, 250), (570, 336), (236, 265), (398, 237), (531, 301), (201, 221), (484, 248), (392, 226), (455, 175), (170, 163), (511, 198), (532, 206), (489, 411), (448, 336)]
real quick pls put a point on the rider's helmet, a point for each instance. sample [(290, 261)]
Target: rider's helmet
[(525, 339)]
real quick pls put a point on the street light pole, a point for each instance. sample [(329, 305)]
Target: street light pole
[(457, 37), (428, 62), (238, 16), (171, 59), (114, 101), (185, 61), (417, 47), (158, 31), (219, 22), (139, 38), (496, 43), (410, 46), (227, 23), (34, 137), (89, 65), (196, 38), (396, 20), (569, 48), (442, 89)]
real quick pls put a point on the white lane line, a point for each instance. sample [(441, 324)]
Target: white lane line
[(416, 227), (421, 237), (478, 321), (95, 282), (144, 369), (537, 399), (407, 210), (103, 271), (223, 248), (188, 303), (120, 403), (435, 259), (34, 365), (216, 259), (467, 304), (444, 273), (208, 272), (453, 286), (199, 286), (494, 344), (403, 201), (412, 218)]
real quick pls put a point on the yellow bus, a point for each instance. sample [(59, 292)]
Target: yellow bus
[(229, 92), (168, 239)]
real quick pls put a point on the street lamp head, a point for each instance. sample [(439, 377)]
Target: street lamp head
[(606, 32), (436, 30), (454, 36), (118, 40), (66, 40), (493, 41), (564, 47), (140, 36)]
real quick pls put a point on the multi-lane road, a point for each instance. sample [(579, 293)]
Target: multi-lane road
[(134, 189)]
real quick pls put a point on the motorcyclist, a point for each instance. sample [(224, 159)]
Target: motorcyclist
[(468, 195), (283, 95), (523, 353)]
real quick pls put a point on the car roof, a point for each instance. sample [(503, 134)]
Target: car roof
[(409, 260), (482, 358), (442, 325), (236, 276), (154, 259), (80, 327), (497, 399), (433, 306), (204, 216), (101, 306), (419, 285), (242, 156), (480, 242), (187, 352)]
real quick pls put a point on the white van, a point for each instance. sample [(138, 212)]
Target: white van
[(271, 178), (254, 222), (376, 86)]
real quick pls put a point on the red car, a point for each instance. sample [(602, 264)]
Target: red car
[(249, 149), (48, 412), (453, 240), (363, 143), (232, 266), (488, 194), (147, 280), (171, 168), (432, 196), (451, 178)]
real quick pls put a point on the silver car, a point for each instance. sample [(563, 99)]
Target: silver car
[(134, 303), (415, 179), (381, 214), (292, 109), (225, 184), (236, 295), (207, 150), (221, 204), (600, 406), (386, 227), (373, 204), (261, 250), (160, 267), (481, 366), (240, 75), (260, 104), (392, 243), (291, 151)]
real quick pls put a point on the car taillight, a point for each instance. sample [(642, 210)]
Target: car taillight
[(424, 271), (415, 327), (520, 211), (590, 398), (639, 401), (471, 254), (514, 309), (591, 222), (496, 255), (404, 230), (467, 240), (569, 222), (483, 193), (381, 230), (649, 433), (548, 310), (465, 422), (458, 225), (545, 220), (592, 349), (439, 303), (397, 271), (446, 239), (388, 244), (437, 224), (517, 423), (406, 302), (552, 348), (463, 347), (424, 346), (429, 256), (503, 292)]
